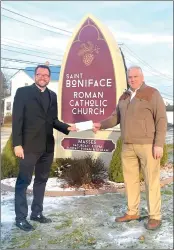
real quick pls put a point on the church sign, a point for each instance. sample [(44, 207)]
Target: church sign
[(89, 84), (92, 79)]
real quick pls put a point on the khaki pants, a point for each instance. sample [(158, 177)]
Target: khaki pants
[(132, 155)]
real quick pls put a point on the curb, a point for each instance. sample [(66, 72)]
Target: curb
[(85, 192)]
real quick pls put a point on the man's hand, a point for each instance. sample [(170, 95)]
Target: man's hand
[(157, 152), (96, 127), (72, 128), (19, 152)]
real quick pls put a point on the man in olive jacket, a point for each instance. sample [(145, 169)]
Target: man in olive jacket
[(141, 113)]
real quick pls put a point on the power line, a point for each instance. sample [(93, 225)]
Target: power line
[(34, 25), (136, 56), (21, 43), (15, 68), (37, 21), (154, 83), (148, 65), (43, 52), (162, 92), (166, 95), (145, 63), (22, 61), (149, 70), (60, 60), (31, 55)]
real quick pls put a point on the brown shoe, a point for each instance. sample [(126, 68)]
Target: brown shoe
[(127, 218), (153, 224)]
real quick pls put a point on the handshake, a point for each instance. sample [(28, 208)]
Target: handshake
[(83, 126)]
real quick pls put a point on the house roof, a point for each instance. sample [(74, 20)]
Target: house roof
[(55, 72)]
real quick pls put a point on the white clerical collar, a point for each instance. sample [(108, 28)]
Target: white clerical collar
[(41, 90)]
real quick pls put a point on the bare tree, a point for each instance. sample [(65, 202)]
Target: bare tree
[(4, 90), (4, 86), (6, 76)]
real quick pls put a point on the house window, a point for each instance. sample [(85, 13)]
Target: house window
[(26, 84), (8, 106)]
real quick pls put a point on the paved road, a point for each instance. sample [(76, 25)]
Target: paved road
[(5, 134)]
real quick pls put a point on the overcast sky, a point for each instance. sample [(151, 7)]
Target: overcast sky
[(145, 29)]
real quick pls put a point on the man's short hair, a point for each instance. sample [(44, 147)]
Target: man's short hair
[(135, 67), (43, 67)]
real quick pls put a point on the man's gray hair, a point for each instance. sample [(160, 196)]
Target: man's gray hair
[(135, 67)]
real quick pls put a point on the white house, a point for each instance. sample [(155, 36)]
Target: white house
[(24, 78)]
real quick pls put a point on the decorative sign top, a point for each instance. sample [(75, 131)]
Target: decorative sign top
[(88, 75)]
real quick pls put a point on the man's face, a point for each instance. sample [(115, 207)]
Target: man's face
[(135, 78), (42, 77)]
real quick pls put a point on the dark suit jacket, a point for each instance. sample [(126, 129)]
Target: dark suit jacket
[(32, 127)]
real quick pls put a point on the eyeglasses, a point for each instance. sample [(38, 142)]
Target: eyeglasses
[(40, 75)]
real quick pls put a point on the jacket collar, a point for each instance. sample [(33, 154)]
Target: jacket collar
[(128, 91), (142, 86)]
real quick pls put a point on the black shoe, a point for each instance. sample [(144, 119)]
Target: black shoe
[(40, 218), (24, 225)]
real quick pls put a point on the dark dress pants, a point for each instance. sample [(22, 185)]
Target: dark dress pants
[(41, 162)]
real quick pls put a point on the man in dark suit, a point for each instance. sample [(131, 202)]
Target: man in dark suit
[(34, 117)]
